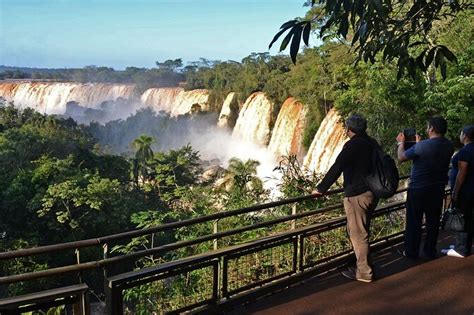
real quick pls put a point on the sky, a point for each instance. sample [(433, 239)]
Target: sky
[(121, 33)]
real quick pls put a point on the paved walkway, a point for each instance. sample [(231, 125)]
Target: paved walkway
[(441, 286)]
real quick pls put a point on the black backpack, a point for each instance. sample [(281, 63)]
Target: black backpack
[(383, 177)]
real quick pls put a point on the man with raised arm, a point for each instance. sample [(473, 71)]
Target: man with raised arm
[(429, 176), (354, 162)]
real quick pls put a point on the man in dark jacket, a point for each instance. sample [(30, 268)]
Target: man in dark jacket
[(428, 179), (354, 162)]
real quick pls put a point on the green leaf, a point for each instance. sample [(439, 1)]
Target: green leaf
[(275, 38), (442, 65), (344, 26), (448, 54), (438, 57), (430, 56), (288, 24), (379, 8), (295, 43), (306, 33), (287, 39)]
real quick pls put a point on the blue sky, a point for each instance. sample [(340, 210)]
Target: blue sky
[(120, 33)]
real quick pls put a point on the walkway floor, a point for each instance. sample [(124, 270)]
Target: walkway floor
[(441, 286)]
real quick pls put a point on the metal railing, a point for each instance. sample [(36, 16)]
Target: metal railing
[(220, 277)]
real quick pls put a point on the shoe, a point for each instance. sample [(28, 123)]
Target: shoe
[(444, 251), (454, 253), (401, 252), (351, 273)]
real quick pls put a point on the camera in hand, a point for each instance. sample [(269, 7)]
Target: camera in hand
[(410, 137)]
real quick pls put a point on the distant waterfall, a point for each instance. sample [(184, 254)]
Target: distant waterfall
[(51, 98), (255, 120), (161, 99), (327, 144), (287, 135), (190, 102), (229, 112)]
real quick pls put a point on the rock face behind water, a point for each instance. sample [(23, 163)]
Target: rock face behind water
[(51, 98), (229, 112), (161, 99), (327, 144), (287, 135), (255, 120)]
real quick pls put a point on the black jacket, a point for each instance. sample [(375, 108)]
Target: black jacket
[(354, 162)]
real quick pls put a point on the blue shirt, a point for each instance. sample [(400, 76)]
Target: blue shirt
[(466, 154), (431, 159)]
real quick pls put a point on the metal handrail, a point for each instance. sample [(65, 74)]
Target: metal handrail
[(162, 248), (161, 228)]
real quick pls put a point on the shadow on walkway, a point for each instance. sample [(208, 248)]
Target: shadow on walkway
[(441, 286)]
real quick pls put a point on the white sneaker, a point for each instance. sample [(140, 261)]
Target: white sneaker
[(454, 253), (446, 250)]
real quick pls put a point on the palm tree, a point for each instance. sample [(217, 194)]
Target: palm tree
[(239, 174), (143, 155)]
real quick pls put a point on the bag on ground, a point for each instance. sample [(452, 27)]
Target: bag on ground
[(453, 220)]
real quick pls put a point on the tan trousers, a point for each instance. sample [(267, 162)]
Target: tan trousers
[(358, 210)]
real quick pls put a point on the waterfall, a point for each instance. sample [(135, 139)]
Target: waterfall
[(327, 144), (190, 102), (255, 120), (51, 98), (229, 112), (161, 99), (287, 135)]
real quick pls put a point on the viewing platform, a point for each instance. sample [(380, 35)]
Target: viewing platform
[(403, 286)]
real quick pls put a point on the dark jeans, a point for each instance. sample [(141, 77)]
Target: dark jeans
[(427, 201), (464, 239)]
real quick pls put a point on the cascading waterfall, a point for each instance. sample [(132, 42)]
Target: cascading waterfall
[(255, 120), (161, 99), (229, 112), (287, 135), (327, 144), (252, 124), (191, 102), (51, 98)]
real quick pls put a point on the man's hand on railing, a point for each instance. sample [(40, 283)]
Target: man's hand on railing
[(316, 193)]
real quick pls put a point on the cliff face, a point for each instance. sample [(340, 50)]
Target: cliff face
[(327, 144), (51, 98), (255, 120), (161, 99), (229, 112), (287, 134)]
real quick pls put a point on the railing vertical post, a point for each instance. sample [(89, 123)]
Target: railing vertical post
[(78, 261), (293, 212), (215, 230)]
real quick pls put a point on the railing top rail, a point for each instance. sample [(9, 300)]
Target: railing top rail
[(160, 228), (167, 247)]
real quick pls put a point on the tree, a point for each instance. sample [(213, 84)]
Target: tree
[(143, 155), (391, 30)]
